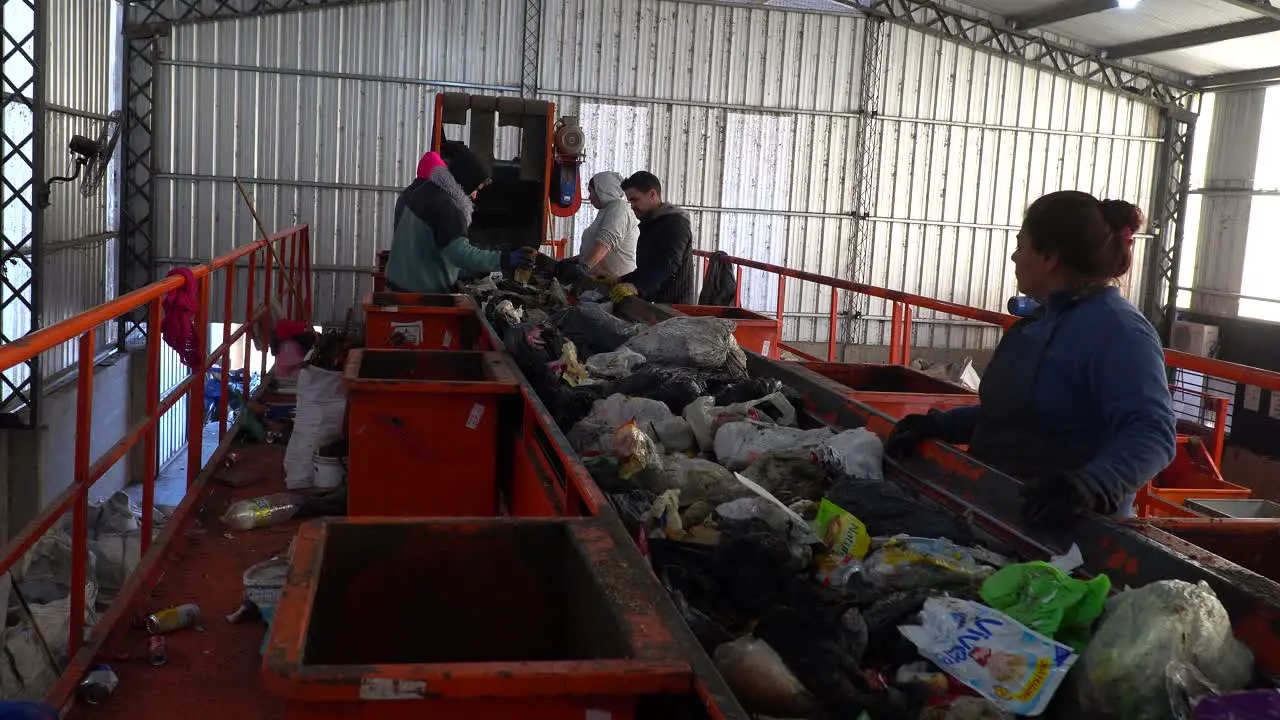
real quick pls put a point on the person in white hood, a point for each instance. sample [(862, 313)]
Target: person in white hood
[(609, 243)]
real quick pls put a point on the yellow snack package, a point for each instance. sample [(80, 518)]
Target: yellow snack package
[(847, 543)]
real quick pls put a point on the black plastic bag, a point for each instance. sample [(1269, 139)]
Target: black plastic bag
[(675, 386), (888, 509), (720, 284), (591, 329), (747, 390), (568, 405)]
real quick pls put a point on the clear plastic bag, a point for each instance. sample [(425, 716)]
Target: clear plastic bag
[(907, 563), (262, 511), (856, 453), (690, 341), (594, 433), (761, 680), (738, 444), (616, 364), (1132, 667), (636, 451)]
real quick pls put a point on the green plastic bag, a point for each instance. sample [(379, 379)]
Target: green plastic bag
[(1047, 600)]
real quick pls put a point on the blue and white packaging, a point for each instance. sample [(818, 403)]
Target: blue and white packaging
[(1009, 664)]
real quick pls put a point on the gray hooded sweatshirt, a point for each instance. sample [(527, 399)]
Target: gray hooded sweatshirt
[(615, 227)]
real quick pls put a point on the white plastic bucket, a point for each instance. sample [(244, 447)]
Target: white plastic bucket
[(330, 471)]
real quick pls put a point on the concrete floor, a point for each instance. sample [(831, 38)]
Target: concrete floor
[(171, 483)]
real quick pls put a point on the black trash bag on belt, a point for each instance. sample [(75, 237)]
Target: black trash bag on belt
[(533, 347), (747, 390), (568, 405), (591, 329), (720, 284), (823, 647), (673, 385), (889, 509)]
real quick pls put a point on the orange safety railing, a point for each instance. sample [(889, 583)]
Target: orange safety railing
[(284, 263), (900, 331)]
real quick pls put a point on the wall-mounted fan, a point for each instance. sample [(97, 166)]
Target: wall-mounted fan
[(90, 157)]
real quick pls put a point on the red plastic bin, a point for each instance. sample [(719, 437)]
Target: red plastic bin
[(424, 321), (895, 390), (425, 430), (471, 619)]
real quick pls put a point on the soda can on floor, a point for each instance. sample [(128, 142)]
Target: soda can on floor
[(175, 618), (98, 684), (157, 650)]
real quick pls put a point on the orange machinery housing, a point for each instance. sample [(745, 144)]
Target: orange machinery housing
[(539, 182)]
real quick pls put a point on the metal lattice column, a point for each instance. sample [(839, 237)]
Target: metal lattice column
[(866, 163), (22, 120), (137, 191), (532, 46), (989, 36), (1168, 219)]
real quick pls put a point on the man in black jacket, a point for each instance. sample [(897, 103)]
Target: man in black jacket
[(664, 252)]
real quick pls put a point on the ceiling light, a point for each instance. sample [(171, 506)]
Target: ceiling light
[(1126, 4)]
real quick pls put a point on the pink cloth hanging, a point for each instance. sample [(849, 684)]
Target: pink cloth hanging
[(178, 328)]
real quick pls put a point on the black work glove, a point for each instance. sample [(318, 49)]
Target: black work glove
[(1060, 500), (910, 432)]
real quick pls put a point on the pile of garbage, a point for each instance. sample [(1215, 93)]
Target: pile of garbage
[(37, 592), (823, 590)]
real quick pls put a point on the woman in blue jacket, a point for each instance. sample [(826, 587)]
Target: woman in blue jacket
[(1075, 401)]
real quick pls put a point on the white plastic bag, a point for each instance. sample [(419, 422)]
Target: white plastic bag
[(1009, 664), (706, 418), (318, 421), (594, 433), (613, 365), (1148, 631), (857, 453), (675, 434), (688, 341), (961, 373), (738, 444)]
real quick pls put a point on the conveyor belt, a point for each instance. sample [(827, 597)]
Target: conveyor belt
[(1130, 554)]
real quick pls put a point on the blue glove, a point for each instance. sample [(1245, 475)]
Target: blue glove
[(516, 258)]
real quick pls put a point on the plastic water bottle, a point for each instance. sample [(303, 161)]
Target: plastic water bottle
[(1023, 306)]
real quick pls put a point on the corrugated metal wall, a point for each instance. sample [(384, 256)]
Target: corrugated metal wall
[(323, 114), (82, 88), (749, 115)]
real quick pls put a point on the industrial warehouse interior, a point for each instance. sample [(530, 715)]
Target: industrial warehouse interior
[(640, 359)]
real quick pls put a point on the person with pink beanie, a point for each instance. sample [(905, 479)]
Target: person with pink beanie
[(429, 246)]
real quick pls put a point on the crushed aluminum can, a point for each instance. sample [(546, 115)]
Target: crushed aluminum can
[(157, 650), (175, 618), (98, 685)]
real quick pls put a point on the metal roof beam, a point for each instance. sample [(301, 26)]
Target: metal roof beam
[(1068, 10), (1260, 7), (1260, 77), (1192, 38)]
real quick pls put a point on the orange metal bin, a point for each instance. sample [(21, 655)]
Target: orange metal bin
[(471, 619), (425, 431), (755, 332), (424, 321), (895, 390)]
